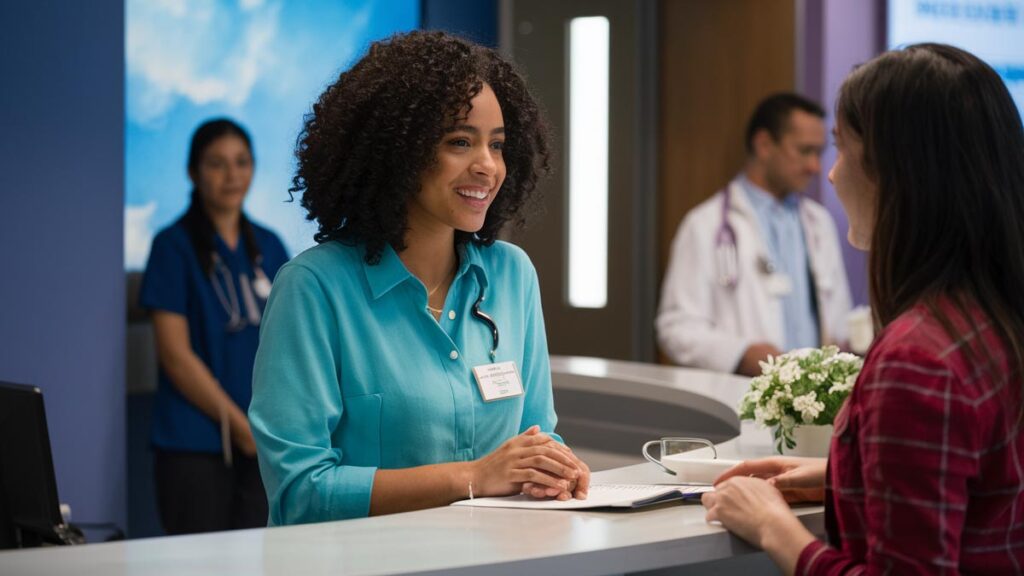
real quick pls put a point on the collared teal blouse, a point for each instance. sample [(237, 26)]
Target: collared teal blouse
[(354, 374)]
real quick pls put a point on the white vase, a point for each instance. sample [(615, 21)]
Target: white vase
[(811, 441)]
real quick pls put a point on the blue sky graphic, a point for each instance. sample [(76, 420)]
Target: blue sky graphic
[(260, 62)]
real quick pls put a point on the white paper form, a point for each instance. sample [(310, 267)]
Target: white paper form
[(599, 496)]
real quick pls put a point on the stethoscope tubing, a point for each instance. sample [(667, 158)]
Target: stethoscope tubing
[(486, 319), (224, 287), (726, 247)]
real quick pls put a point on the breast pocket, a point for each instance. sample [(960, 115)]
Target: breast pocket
[(359, 431)]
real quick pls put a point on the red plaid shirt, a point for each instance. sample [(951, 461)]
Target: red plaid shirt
[(926, 470)]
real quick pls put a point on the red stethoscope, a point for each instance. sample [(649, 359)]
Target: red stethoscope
[(726, 254)]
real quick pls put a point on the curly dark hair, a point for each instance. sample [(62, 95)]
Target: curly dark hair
[(375, 131)]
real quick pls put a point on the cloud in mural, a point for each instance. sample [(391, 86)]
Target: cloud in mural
[(203, 52), (263, 62), (138, 234)]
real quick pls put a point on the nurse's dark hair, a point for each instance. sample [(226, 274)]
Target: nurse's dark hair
[(943, 142), (197, 221), (375, 131), (772, 114)]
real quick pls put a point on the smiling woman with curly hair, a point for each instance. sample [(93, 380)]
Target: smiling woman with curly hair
[(403, 362), (373, 134)]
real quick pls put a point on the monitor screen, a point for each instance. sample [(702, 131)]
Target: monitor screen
[(29, 509), (993, 31)]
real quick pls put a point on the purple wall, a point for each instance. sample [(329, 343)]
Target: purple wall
[(62, 302), (837, 35)]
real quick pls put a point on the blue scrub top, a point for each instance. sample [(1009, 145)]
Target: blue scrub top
[(175, 282)]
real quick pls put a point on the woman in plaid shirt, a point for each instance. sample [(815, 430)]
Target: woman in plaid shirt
[(926, 469)]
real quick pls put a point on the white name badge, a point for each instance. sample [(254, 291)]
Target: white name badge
[(261, 285), (498, 381), (779, 284)]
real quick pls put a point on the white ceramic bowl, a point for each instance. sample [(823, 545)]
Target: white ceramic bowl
[(697, 470)]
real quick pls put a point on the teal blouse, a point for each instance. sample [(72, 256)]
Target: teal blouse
[(354, 374)]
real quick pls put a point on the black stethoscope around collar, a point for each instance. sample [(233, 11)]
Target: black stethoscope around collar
[(483, 317)]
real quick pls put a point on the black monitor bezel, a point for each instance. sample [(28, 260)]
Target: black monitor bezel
[(41, 525)]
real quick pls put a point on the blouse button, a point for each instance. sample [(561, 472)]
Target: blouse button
[(454, 355), (451, 314)]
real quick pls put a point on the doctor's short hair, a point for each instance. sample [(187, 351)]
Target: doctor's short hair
[(772, 114), (375, 131)]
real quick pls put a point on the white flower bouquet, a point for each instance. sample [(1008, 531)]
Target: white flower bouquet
[(802, 387)]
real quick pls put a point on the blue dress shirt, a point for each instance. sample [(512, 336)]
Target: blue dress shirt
[(354, 374), (783, 234)]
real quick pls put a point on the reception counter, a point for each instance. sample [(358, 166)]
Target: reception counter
[(664, 539), (607, 409), (449, 540), (617, 405)]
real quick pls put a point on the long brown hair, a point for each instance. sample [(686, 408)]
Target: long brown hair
[(197, 221), (943, 142)]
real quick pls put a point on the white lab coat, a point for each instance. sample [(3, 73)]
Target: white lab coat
[(704, 324)]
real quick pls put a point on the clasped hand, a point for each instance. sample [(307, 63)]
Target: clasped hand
[(532, 463)]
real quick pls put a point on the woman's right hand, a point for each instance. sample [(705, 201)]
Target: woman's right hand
[(799, 479), (530, 457)]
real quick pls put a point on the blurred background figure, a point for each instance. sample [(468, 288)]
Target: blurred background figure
[(206, 283), (756, 269)]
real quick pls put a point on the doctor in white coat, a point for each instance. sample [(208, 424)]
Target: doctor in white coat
[(756, 269)]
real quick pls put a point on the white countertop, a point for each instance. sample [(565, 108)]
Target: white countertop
[(464, 540), (449, 540)]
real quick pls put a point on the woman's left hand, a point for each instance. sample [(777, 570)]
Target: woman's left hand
[(754, 510), (241, 436), (577, 489), (748, 507)]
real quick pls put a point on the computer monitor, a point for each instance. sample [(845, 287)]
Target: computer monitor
[(29, 509)]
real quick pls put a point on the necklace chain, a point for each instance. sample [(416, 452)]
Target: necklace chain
[(432, 291)]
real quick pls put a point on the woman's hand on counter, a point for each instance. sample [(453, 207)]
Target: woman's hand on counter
[(578, 488), (531, 457), (754, 510), (798, 479)]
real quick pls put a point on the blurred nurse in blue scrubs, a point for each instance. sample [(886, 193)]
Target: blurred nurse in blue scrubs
[(207, 281), (403, 361)]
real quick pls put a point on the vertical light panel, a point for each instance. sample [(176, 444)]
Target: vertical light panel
[(588, 162)]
